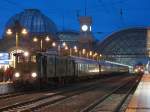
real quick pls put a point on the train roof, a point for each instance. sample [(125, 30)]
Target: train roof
[(91, 61), (115, 63), (83, 60)]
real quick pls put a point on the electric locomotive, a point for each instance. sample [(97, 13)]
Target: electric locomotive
[(139, 69), (25, 70)]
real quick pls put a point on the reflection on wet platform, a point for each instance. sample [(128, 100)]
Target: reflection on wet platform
[(140, 101)]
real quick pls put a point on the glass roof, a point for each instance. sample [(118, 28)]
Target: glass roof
[(34, 21), (127, 46)]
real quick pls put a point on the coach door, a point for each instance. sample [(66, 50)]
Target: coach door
[(51, 66)]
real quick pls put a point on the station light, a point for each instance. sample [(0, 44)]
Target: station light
[(17, 74), (75, 47), (83, 51), (9, 32), (76, 50), (90, 53), (26, 54), (34, 74), (64, 44), (54, 44), (95, 54), (35, 39), (47, 39), (24, 31), (100, 55), (66, 47)]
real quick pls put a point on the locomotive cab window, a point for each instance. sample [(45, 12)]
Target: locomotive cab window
[(21, 58)]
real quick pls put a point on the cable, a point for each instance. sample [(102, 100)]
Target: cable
[(103, 5), (121, 16), (14, 4)]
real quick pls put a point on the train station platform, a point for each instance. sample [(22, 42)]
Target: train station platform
[(140, 101), (7, 82), (6, 87)]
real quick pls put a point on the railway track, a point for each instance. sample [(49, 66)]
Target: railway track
[(10, 95), (78, 103), (33, 104), (113, 101)]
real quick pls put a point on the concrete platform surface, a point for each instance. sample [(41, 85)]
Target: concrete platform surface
[(140, 101), (6, 87), (7, 82)]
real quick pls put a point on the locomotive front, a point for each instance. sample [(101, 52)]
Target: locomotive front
[(25, 70)]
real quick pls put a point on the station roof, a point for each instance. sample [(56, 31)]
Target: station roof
[(128, 46), (34, 21)]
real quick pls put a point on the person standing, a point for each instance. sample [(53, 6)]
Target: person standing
[(1, 74)]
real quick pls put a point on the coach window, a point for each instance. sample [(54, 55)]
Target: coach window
[(33, 58)]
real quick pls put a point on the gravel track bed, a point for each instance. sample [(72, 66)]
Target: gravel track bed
[(111, 103), (27, 97), (125, 105), (18, 99), (10, 95), (78, 102), (54, 98)]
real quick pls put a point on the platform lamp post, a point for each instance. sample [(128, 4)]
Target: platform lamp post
[(46, 39), (41, 40), (57, 46), (68, 49), (100, 56), (76, 50), (18, 30)]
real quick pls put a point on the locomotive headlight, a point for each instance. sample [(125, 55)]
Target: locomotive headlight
[(17, 74), (136, 70), (34, 75), (142, 70)]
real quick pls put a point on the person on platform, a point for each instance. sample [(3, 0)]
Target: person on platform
[(11, 72), (1, 74), (6, 74)]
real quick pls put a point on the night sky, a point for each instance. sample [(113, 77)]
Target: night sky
[(108, 15)]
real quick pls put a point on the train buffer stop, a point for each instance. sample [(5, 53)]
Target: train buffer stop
[(140, 101)]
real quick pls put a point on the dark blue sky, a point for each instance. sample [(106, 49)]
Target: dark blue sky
[(108, 15)]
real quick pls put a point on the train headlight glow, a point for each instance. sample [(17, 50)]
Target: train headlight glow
[(142, 70), (17, 74), (34, 75), (136, 70), (26, 54)]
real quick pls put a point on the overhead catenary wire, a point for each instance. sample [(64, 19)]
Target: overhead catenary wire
[(104, 6), (121, 16), (15, 4)]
